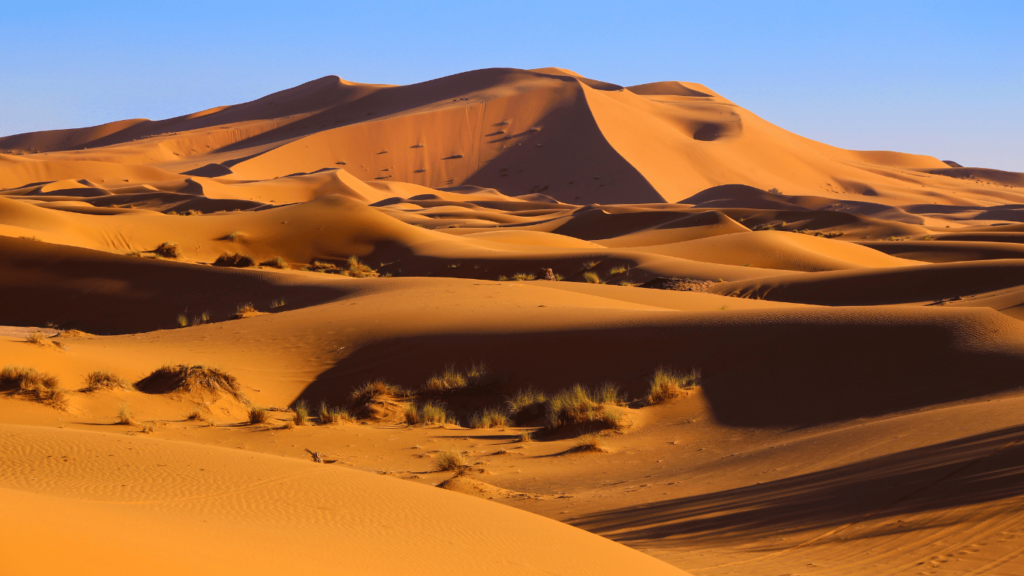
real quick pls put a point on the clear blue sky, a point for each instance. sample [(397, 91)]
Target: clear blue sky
[(938, 78)]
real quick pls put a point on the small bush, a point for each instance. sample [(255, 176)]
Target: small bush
[(489, 418), (190, 379), (42, 387), (619, 270), (277, 262), (577, 405), (246, 310), (124, 416), (526, 436), (450, 379), (233, 237), (201, 319), (357, 269), (38, 338), (448, 460), (194, 414), (332, 414), (235, 260), (523, 276), (148, 428), (667, 383), (526, 405), (321, 266), (104, 380), (168, 250), (182, 321), (258, 415), (277, 303), (592, 278), (301, 413)]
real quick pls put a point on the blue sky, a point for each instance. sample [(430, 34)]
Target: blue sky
[(938, 78)]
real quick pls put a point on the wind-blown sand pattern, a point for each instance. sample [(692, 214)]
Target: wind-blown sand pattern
[(854, 321)]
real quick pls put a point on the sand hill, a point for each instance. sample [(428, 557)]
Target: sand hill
[(507, 321)]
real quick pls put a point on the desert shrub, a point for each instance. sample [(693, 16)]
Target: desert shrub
[(667, 383), (448, 460), (357, 269), (124, 416), (589, 443), (236, 260), (278, 303), (104, 380), (773, 191), (428, 413), (194, 414), (190, 379), (526, 405), (606, 393), (245, 310), (148, 428), (277, 262), (41, 386), (526, 436), (489, 418), (234, 236), (38, 338), (375, 389), (168, 250), (592, 278), (332, 414), (577, 405), (450, 379), (301, 413), (619, 270), (201, 319), (523, 276), (258, 415), (321, 266), (182, 321)]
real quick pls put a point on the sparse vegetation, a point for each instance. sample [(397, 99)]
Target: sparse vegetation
[(428, 413), (301, 413), (258, 415), (577, 405), (194, 414), (233, 237), (449, 460), (523, 276), (168, 250), (375, 389), (619, 270), (41, 386), (450, 379), (104, 380), (148, 427), (357, 269), (773, 191), (589, 443), (489, 418), (276, 262), (667, 383), (201, 319), (592, 278), (526, 405), (526, 436), (590, 264), (40, 339), (332, 414), (124, 416), (246, 310), (277, 303), (236, 260), (182, 321), (190, 379)]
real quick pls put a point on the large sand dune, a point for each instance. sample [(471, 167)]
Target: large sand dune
[(855, 318)]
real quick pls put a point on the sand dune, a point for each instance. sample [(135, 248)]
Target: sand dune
[(794, 358)]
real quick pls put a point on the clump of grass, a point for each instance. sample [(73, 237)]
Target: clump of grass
[(182, 321), (168, 250), (236, 260), (357, 269), (428, 413), (40, 339), (619, 270), (590, 264), (148, 428), (606, 393), (194, 414), (667, 383), (258, 415), (592, 278), (450, 379), (489, 418), (41, 386), (246, 310), (277, 262), (233, 237), (278, 303), (321, 266), (301, 413), (448, 460), (577, 405), (201, 319), (526, 405), (773, 191), (124, 416), (589, 443), (526, 436), (523, 276), (104, 380), (190, 379), (332, 414), (375, 389)]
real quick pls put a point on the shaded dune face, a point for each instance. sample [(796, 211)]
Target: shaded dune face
[(639, 329)]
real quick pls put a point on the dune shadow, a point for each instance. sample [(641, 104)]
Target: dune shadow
[(962, 472)]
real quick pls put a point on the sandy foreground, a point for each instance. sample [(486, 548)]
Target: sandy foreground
[(841, 333)]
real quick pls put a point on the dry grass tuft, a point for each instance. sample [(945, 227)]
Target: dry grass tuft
[(332, 414), (489, 418), (523, 276), (40, 339), (277, 262), (589, 443), (40, 386), (577, 405), (148, 427), (124, 416), (375, 389), (301, 413), (448, 460), (168, 250), (104, 380), (182, 321), (450, 379), (258, 415), (190, 379), (246, 310), (236, 260), (357, 269), (667, 383), (428, 413), (194, 414), (592, 278), (526, 436)]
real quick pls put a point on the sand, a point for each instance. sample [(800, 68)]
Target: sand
[(855, 318)]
